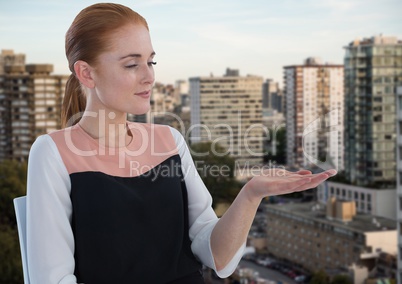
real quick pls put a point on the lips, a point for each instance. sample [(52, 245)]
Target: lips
[(145, 94)]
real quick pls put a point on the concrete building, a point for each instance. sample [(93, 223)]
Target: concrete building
[(331, 238), (272, 96), (368, 200), (30, 104), (226, 110), (181, 93), (9, 58), (314, 99), (373, 70), (399, 180)]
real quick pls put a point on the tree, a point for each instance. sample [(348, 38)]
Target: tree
[(216, 167), (12, 184), (320, 277), (279, 140)]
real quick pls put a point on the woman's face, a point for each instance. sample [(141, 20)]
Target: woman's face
[(124, 75)]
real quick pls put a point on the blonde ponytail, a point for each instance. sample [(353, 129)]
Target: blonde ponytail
[(74, 102)]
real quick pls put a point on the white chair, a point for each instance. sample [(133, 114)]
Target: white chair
[(21, 215)]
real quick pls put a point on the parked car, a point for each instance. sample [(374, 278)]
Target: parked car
[(300, 278), (264, 261)]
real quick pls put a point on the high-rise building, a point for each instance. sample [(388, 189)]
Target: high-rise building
[(30, 104), (399, 179), (271, 96), (373, 70), (314, 99), (227, 110), (9, 58), (181, 93)]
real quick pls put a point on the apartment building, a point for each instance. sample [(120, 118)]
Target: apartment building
[(332, 237), (272, 116), (30, 102), (373, 70), (227, 110), (9, 58), (368, 200), (314, 99), (272, 96), (399, 180)]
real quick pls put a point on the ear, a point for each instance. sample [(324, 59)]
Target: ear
[(83, 71)]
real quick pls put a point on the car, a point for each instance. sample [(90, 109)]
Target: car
[(300, 278), (264, 261)]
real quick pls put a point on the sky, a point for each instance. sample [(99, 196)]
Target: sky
[(199, 38)]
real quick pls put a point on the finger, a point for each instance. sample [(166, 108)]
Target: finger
[(331, 172), (317, 179)]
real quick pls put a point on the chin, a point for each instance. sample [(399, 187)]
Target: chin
[(139, 110)]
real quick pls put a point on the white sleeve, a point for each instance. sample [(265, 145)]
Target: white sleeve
[(50, 240), (202, 217)]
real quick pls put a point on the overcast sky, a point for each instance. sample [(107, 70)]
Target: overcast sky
[(196, 38)]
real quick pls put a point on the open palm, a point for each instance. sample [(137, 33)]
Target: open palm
[(280, 181)]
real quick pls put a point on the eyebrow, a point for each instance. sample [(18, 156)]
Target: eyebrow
[(136, 55)]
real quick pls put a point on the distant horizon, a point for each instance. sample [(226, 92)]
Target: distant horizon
[(199, 38)]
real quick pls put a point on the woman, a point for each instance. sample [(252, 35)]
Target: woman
[(110, 201)]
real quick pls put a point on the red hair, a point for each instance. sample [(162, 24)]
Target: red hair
[(88, 37)]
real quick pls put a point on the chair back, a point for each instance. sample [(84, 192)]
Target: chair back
[(21, 214)]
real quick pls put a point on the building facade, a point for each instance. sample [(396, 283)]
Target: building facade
[(316, 237), (30, 105), (9, 58), (271, 96), (227, 110), (368, 200), (399, 180), (314, 114), (373, 70)]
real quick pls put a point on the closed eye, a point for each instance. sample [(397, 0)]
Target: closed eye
[(135, 65)]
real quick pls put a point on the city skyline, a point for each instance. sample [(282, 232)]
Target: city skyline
[(196, 39)]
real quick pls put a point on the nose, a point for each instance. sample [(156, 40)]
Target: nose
[(148, 74)]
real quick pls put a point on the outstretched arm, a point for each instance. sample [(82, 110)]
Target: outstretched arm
[(232, 229)]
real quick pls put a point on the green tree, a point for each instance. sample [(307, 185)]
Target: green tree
[(320, 277), (10, 260), (216, 167), (277, 137), (12, 184)]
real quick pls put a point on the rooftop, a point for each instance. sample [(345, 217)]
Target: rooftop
[(361, 223)]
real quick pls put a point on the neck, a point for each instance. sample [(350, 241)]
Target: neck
[(107, 127)]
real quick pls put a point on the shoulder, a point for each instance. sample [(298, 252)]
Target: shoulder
[(44, 151), (43, 144)]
